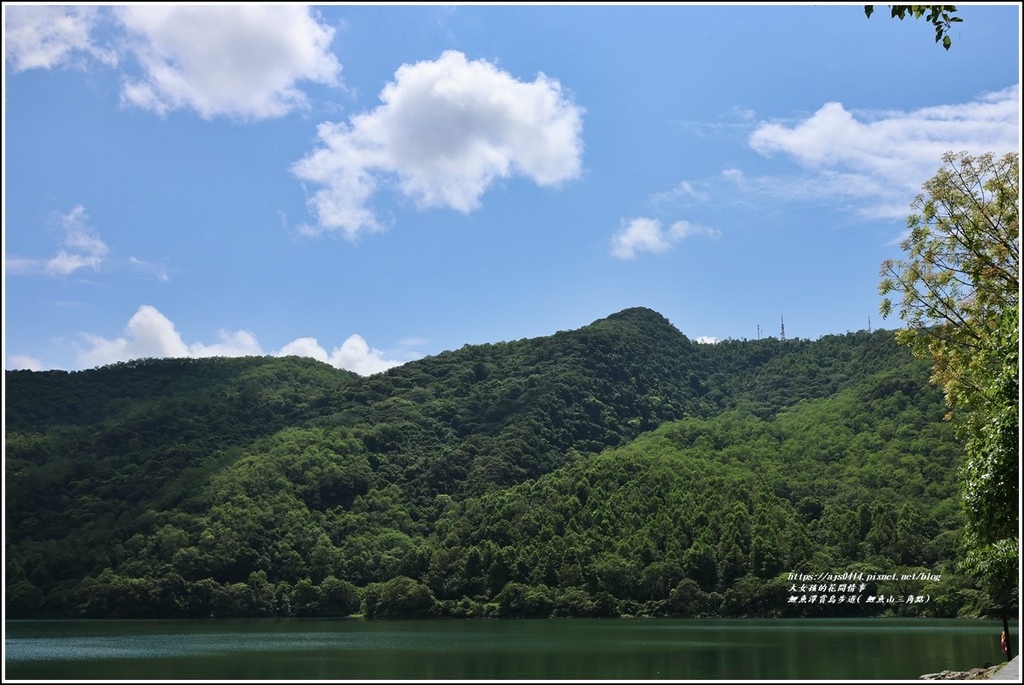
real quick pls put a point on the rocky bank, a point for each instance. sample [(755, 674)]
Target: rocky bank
[(973, 674)]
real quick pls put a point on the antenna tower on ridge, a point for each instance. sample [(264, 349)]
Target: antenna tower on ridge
[(783, 335)]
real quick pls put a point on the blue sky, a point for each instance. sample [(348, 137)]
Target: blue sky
[(369, 185)]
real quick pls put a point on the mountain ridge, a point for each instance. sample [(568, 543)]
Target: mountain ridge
[(179, 475)]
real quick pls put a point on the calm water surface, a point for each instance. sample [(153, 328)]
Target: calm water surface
[(305, 649)]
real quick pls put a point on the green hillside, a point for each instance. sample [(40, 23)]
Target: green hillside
[(620, 468)]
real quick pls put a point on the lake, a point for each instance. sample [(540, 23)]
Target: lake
[(570, 649)]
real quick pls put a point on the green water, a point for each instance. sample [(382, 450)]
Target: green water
[(627, 649)]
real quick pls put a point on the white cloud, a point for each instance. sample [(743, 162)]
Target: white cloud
[(237, 344), (735, 122), (742, 113), (638, 234), (682, 190), (354, 354), (15, 265), (47, 36), (151, 334), (445, 132), (79, 248), (707, 340), (241, 61), (83, 248), (647, 235), (64, 263), (684, 229), (156, 270), (304, 347), (22, 361), (883, 158)]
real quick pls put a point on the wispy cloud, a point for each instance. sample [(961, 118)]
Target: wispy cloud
[(736, 122), (157, 271), (445, 132), (684, 190), (15, 265), (151, 334), (647, 235), (79, 248), (881, 159)]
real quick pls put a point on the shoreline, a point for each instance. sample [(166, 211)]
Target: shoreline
[(982, 673)]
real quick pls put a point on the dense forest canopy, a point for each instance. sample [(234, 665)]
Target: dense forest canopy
[(617, 469)]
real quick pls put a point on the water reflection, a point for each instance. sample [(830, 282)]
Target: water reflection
[(296, 649)]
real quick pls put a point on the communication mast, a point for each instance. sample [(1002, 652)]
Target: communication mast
[(783, 334)]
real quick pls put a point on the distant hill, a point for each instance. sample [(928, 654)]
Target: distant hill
[(620, 468)]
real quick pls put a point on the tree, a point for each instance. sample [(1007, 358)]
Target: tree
[(962, 271), (991, 474), (941, 17), (958, 293), (400, 597)]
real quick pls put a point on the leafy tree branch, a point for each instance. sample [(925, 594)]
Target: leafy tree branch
[(941, 17)]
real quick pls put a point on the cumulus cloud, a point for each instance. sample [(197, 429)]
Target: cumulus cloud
[(79, 248), (47, 36), (236, 344), (707, 340), (648, 235), (150, 334), (354, 354), (241, 61), (883, 158), (445, 132)]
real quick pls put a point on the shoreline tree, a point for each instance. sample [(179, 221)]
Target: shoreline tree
[(957, 292)]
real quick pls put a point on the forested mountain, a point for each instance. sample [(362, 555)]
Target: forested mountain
[(620, 468)]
